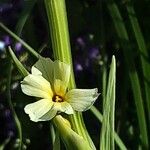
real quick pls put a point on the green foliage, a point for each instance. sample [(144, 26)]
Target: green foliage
[(117, 28), (107, 130)]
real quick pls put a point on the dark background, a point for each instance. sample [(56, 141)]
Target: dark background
[(93, 40)]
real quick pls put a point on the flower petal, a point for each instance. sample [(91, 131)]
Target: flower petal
[(38, 109), (52, 112), (36, 85), (62, 72), (59, 87), (35, 71), (66, 108), (56, 109), (46, 66), (49, 115), (53, 70), (81, 99)]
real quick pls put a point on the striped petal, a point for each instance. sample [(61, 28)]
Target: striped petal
[(66, 108), (59, 87), (38, 109), (57, 108), (81, 99), (46, 66), (36, 85), (62, 72), (35, 71)]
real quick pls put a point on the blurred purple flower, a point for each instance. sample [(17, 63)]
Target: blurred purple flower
[(85, 53), (5, 7), (6, 122), (87, 62), (9, 11), (18, 46), (11, 133), (80, 42), (7, 113), (78, 67), (93, 53), (7, 40)]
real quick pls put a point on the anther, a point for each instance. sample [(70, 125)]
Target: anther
[(57, 98)]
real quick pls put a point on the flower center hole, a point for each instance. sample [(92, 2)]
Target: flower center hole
[(57, 98)]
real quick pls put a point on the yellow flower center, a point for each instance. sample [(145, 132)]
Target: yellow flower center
[(57, 98)]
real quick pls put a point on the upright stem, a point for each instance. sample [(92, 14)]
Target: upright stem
[(58, 24), (17, 122)]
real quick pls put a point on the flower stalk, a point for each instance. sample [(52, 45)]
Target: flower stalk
[(17, 122), (57, 18)]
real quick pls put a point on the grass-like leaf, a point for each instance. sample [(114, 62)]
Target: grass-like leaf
[(128, 55), (29, 48), (17, 122), (24, 15), (99, 116), (143, 52), (107, 131), (18, 64)]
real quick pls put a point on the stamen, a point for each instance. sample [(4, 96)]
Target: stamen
[(57, 98)]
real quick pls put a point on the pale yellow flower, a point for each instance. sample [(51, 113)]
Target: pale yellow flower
[(49, 81)]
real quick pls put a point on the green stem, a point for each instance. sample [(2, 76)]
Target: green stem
[(143, 53), (29, 48), (18, 124), (2, 146), (57, 17), (28, 6), (18, 64), (53, 134), (99, 116)]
